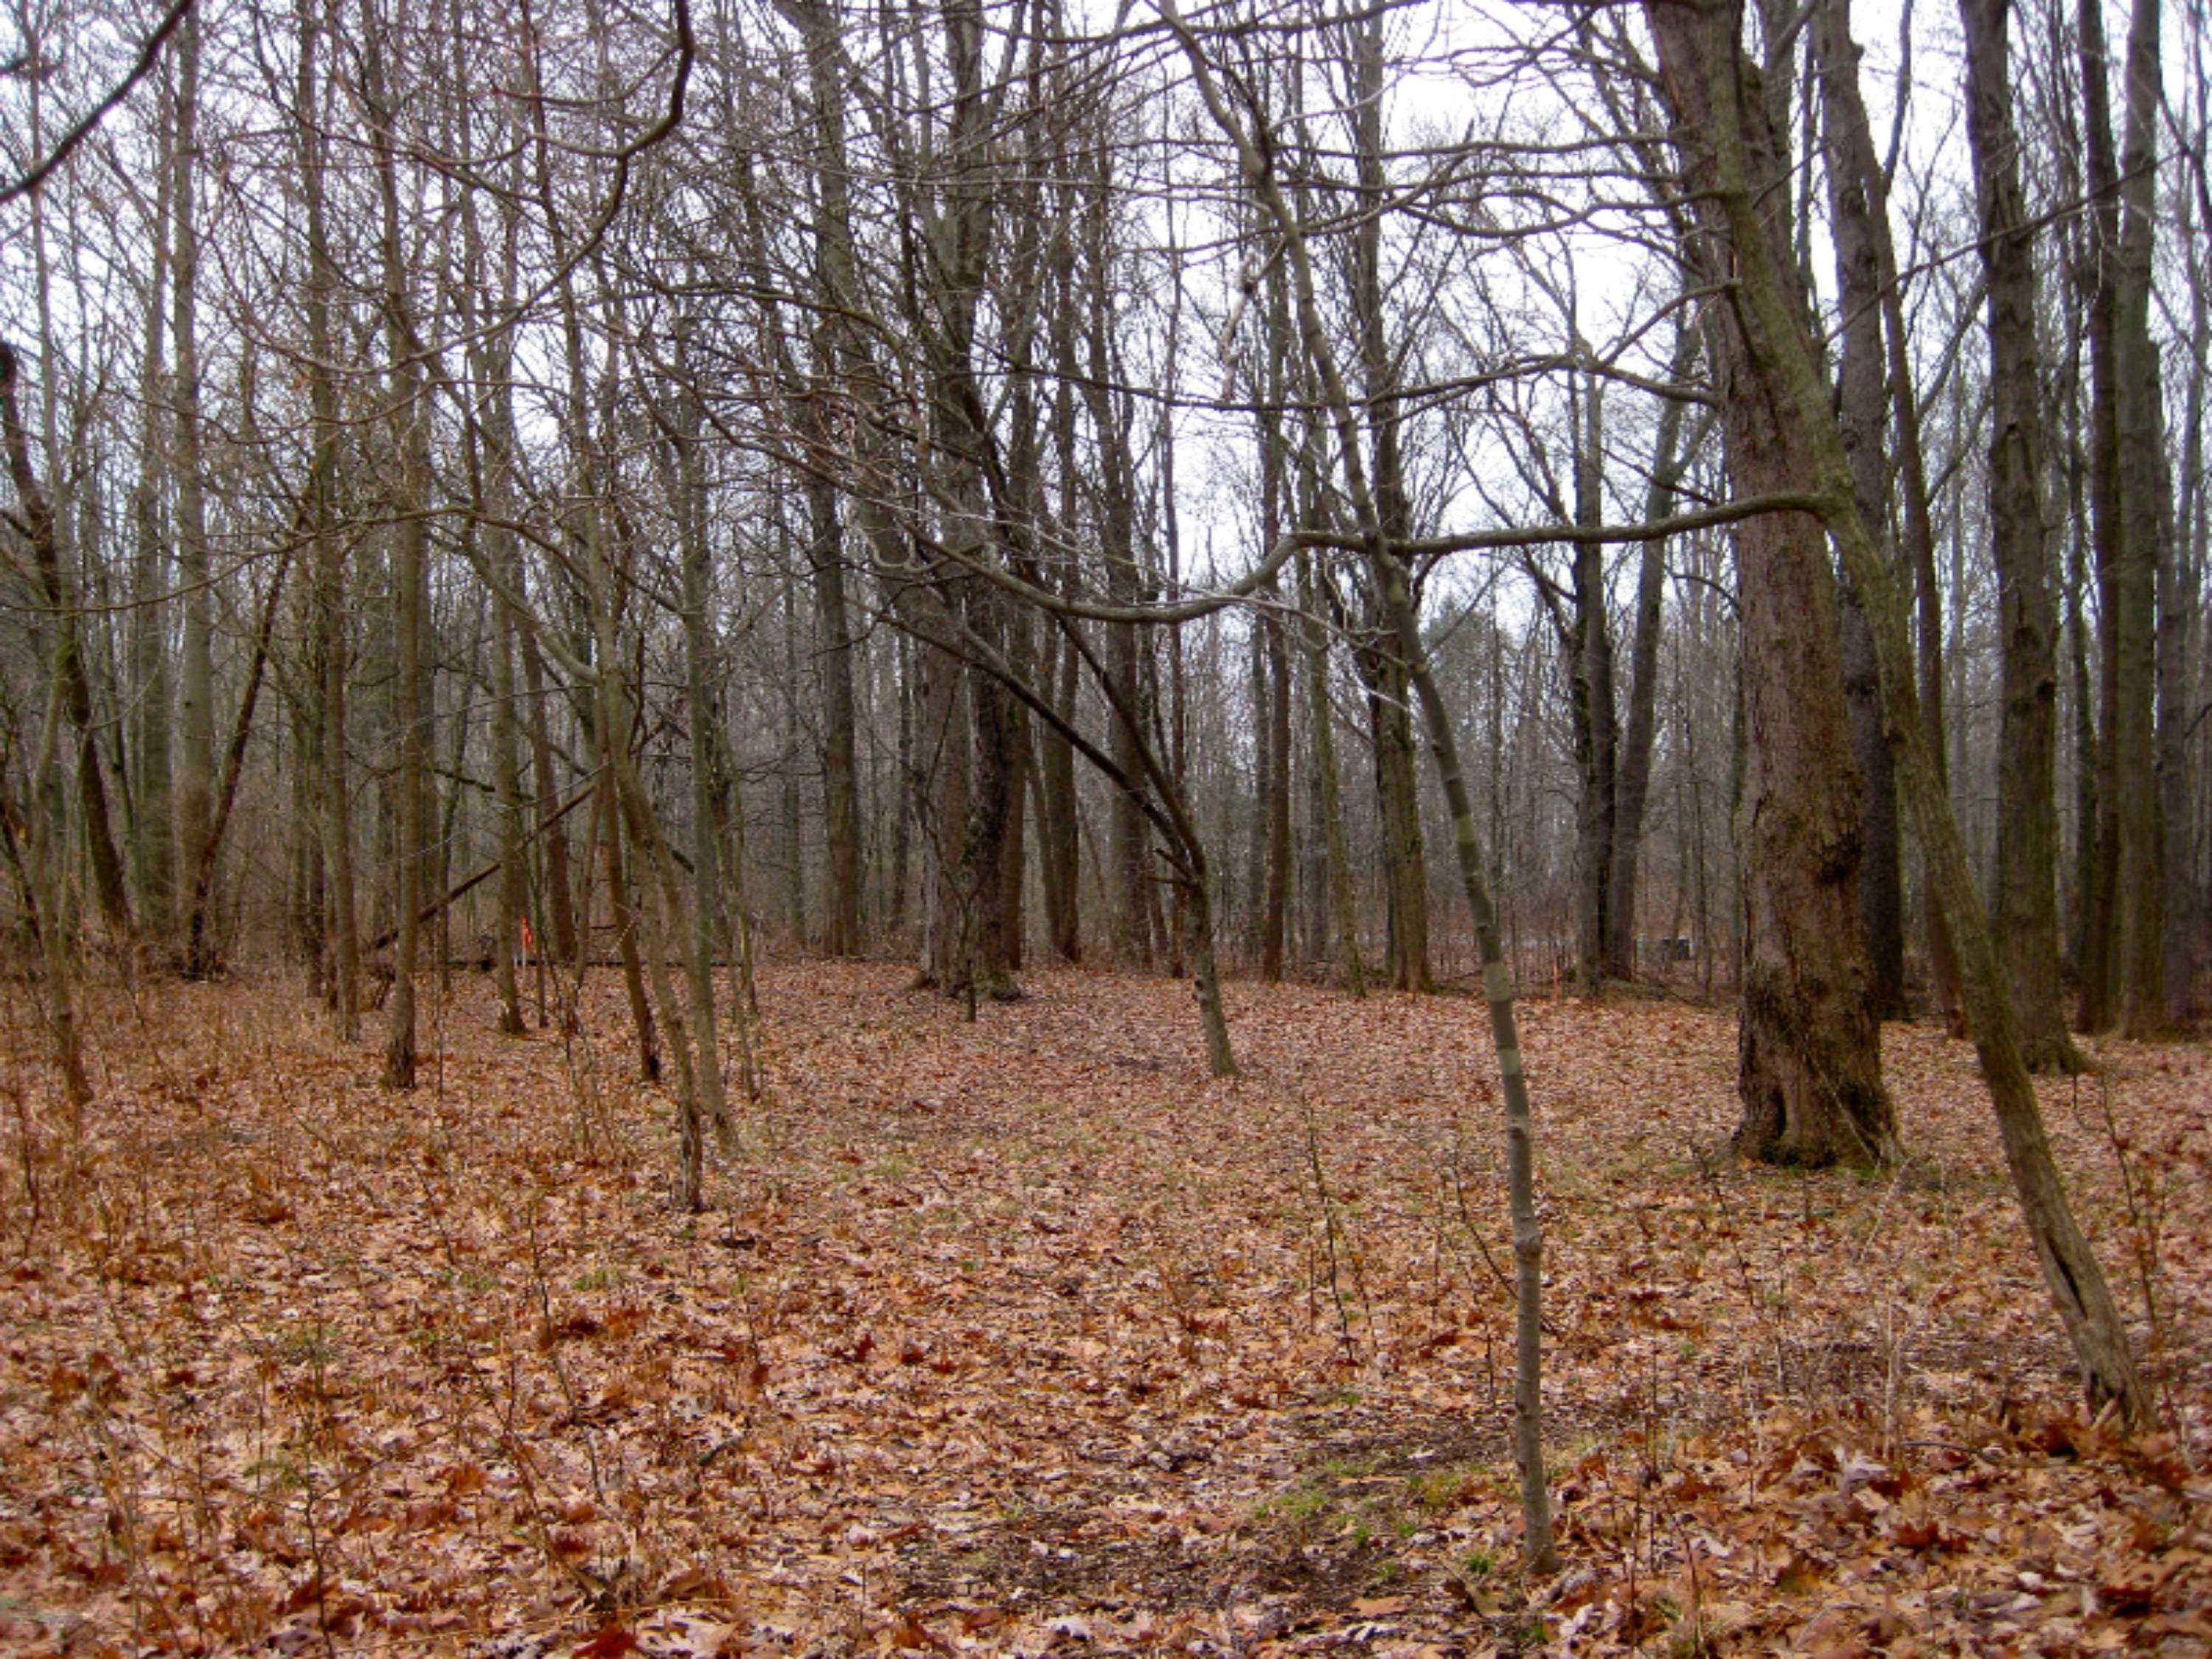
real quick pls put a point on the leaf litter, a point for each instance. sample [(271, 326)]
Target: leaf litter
[(1023, 1336)]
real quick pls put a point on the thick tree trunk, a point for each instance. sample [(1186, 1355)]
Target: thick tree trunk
[(1388, 675), (1810, 1066), (1397, 792)]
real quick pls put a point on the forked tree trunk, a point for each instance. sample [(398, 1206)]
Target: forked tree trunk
[(1810, 1053), (43, 880), (57, 584)]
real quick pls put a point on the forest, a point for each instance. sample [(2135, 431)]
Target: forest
[(974, 826)]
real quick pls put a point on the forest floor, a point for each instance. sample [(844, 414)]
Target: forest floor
[(1023, 1336)]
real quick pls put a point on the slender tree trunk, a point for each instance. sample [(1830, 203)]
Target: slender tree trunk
[(2097, 961), (2027, 911), (1634, 786), (560, 886), (506, 791), (488, 430), (154, 832), (334, 782), (411, 706), (1344, 912), (1864, 396), (703, 712), (1060, 852), (1263, 786), (1389, 575), (2138, 852), (195, 782), (498, 443), (1275, 903), (1597, 723), (2181, 626)]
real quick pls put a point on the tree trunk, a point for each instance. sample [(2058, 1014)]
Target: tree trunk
[(1634, 785), (410, 698), (153, 826), (1810, 1066), (1329, 796), (1597, 727), (2098, 960), (335, 781), (36, 851), (1863, 393), (2181, 625), (704, 715), (2136, 853), (195, 781), (1712, 90), (1058, 827), (1276, 900), (1388, 674), (57, 584), (2027, 911), (833, 672)]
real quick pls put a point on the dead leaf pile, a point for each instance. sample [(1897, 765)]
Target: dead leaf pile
[(1023, 1336)]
